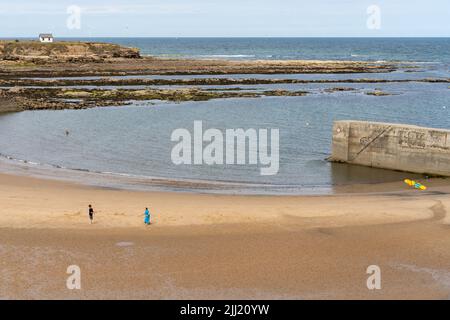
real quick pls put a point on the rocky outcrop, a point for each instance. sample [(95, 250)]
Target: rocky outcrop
[(36, 52), (21, 98)]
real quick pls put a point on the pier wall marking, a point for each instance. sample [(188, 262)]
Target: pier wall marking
[(392, 146)]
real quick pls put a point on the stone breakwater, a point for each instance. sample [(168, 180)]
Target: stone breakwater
[(392, 146)]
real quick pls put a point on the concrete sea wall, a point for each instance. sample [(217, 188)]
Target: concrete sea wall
[(392, 146)]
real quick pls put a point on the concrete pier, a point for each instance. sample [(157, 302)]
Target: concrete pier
[(392, 146)]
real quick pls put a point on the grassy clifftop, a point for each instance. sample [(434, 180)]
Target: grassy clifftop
[(63, 51)]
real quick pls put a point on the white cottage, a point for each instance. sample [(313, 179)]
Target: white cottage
[(46, 37)]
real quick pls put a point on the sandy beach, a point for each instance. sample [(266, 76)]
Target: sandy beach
[(219, 246)]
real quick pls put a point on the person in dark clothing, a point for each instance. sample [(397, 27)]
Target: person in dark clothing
[(91, 214)]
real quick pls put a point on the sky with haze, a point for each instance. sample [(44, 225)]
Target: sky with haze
[(226, 18)]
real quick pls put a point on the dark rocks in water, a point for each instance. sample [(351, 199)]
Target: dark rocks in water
[(68, 98), (338, 89), (198, 81), (285, 93)]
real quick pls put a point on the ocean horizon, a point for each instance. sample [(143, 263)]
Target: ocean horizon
[(285, 48)]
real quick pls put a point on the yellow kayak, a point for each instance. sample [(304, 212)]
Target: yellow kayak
[(415, 184)]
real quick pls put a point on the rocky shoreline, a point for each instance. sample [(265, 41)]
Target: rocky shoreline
[(30, 76), (17, 99), (20, 94), (20, 99)]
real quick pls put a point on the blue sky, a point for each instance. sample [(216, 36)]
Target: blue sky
[(226, 18)]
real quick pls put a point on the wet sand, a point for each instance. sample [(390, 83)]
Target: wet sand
[(217, 246)]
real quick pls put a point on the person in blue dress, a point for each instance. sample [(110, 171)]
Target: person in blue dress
[(146, 216)]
